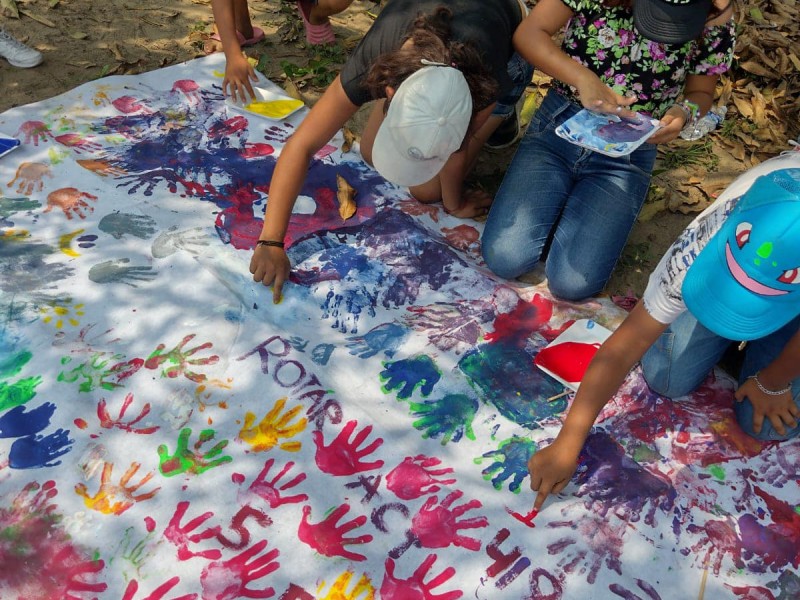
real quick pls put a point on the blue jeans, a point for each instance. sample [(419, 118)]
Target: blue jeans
[(582, 203), (686, 352), (521, 73)]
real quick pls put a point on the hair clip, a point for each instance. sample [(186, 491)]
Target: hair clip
[(431, 63)]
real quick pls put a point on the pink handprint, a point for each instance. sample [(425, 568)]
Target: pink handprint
[(70, 200), (130, 105), (415, 588), (158, 593), (23, 504), (67, 575), (34, 131), (29, 177), (229, 579), (343, 457), (721, 539), (78, 142), (188, 88), (105, 500), (180, 535), (106, 422), (415, 477), (328, 539), (436, 526), (462, 237), (269, 490), (416, 208), (228, 127)]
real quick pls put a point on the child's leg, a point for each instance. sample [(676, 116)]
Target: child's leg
[(758, 354), (241, 17), (682, 357), (322, 9)]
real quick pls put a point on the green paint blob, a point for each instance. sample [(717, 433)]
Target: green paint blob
[(765, 250), (717, 472)]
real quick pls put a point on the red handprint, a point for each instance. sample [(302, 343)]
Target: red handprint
[(228, 127), (130, 105), (328, 539), (269, 490), (70, 200), (78, 142), (34, 131), (343, 457), (67, 574), (229, 579), (23, 504), (436, 526), (158, 593), (106, 422), (414, 588), (416, 208), (181, 537), (29, 177), (415, 477), (180, 359), (188, 88), (462, 237), (105, 500)]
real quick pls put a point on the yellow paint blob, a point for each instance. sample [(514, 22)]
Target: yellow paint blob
[(274, 109)]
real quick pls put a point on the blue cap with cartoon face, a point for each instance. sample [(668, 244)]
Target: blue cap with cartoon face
[(745, 283)]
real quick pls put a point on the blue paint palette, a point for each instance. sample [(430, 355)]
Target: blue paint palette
[(7, 144)]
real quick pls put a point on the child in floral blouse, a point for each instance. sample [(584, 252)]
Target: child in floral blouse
[(658, 57)]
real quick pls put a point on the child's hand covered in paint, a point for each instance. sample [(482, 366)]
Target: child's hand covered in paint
[(551, 469), (238, 75), (270, 266), (475, 203), (781, 410)]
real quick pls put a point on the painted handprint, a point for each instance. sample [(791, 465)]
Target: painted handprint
[(181, 536), (19, 423), (463, 237), (189, 89), (101, 167), (228, 127), (36, 451), (193, 461), (415, 587), (449, 417), (179, 360), (34, 131), (158, 593), (328, 539), (233, 578), (71, 576), (510, 462), (71, 201), (343, 456), (271, 490), (274, 133), (340, 589), (385, 338), (149, 180), (130, 105), (120, 224), (589, 542), (78, 142), (274, 427), (436, 526), (21, 391), (410, 373), (106, 422), (116, 498), (418, 209), (119, 271), (194, 241), (30, 177), (11, 206), (417, 476)]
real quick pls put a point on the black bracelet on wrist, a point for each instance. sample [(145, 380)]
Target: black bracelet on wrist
[(274, 243)]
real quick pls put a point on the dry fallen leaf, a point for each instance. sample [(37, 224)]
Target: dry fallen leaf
[(349, 139), (346, 194)]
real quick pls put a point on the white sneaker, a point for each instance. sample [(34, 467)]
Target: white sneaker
[(17, 53)]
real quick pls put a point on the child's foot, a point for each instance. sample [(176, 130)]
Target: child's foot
[(315, 33), (17, 53), (258, 35)]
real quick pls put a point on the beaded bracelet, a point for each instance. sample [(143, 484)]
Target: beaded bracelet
[(769, 392), (690, 109), (269, 243)]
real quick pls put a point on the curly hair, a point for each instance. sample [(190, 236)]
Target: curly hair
[(430, 37)]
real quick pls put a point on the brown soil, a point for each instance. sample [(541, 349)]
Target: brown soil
[(83, 40)]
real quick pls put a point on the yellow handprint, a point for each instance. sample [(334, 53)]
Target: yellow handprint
[(115, 499), (363, 589), (272, 428)]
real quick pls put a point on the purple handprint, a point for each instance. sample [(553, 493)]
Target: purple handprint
[(36, 451), (181, 536), (343, 457), (436, 526), (328, 539), (416, 476), (269, 490), (229, 579), (278, 134), (415, 588)]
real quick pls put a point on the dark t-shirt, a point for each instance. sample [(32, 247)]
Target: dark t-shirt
[(488, 24)]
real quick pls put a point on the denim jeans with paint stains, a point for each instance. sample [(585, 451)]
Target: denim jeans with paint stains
[(582, 204), (686, 352)]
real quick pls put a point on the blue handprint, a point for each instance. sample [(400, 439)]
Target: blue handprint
[(385, 337), (118, 271), (118, 224), (450, 417), (409, 373), (511, 461), (17, 423), (36, 451)]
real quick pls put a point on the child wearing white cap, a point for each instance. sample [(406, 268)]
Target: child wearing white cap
[(444, 74), (733, 275)]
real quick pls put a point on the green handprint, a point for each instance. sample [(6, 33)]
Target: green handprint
[(185, 460), (22, 390)]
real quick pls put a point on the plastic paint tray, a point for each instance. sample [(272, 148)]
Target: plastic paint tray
[(567, 357), (268, 105)]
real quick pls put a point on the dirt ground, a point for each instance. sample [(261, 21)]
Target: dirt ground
[(83, 40)]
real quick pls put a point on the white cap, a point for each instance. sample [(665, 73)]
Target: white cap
[(427, 120)]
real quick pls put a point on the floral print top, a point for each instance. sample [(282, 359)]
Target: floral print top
[(605, 40)]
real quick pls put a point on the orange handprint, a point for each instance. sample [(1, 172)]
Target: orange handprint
[(70, 200), (101, 167), (106, 499), (272, 428), (29, 177)]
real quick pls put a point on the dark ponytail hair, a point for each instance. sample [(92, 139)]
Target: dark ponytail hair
[(430, 36)]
